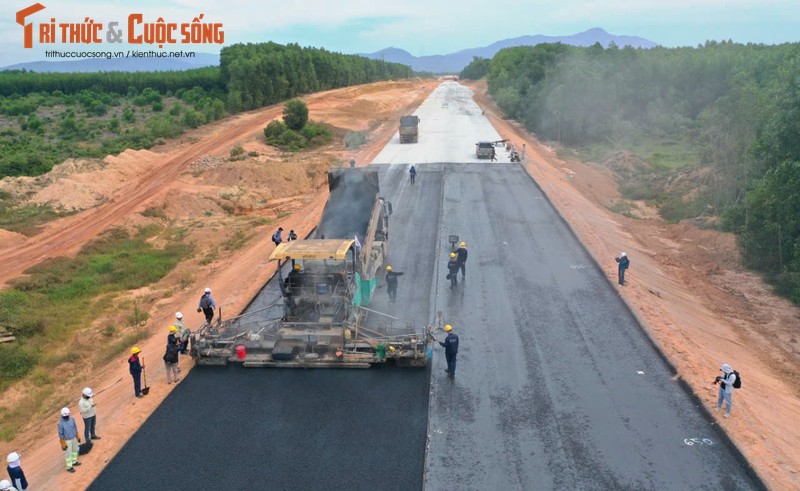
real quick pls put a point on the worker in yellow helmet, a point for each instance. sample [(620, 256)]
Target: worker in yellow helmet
[(452, 270), (461, 255), (136, 367), (450, 345), (391, 283)]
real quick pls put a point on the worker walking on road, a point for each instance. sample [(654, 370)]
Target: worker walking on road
[(461, 255), (136, 367), (391, 283), (18, 480), (494, 155), (412, 173), (450, 345), (68, 434), (207, 305), (623, 263), (89, 414), (452, 267)]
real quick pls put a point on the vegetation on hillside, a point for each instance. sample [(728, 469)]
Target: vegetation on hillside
[(734, 106), (48, 117)]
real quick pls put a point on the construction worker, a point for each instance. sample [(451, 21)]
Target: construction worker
[(292, 235), (352, 162), (171, 356), (89, 415), (207, 305), (136, 367), (623, 263), (412, 173), (18, 480), (452, 267), (450, 345), (391, 283), (183, 333), (276, 237), (494, 154), (461, 255), (68, 434), (294, 280), (5, 485)]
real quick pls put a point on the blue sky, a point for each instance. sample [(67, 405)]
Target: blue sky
[(425, 27)]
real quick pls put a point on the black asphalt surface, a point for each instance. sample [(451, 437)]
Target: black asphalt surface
[(548, 392), (547, 395), (276, 429)]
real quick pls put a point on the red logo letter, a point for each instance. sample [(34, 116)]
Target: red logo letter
[(36, 7)]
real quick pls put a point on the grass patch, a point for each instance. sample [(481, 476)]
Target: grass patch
[(237, 241), (155, 212), (25, 219), (59, 296)]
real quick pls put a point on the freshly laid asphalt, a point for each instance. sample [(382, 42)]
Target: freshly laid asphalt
[(557, 386)]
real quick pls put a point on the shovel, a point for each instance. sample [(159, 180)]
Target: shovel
[(145, 389)]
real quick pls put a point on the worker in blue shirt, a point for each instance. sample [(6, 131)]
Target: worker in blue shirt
[(450, 345)]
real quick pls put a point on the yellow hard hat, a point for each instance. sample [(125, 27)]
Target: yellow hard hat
[(172, 329), (448, 328), (135, 350), (452, 254), (463, 244), (388, 268), (298, 267)]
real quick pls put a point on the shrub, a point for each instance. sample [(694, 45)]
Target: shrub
[(274, 129), (16, 361), (237, 150), (295, 114)]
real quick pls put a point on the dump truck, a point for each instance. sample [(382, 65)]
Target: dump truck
[(324, 285), (409, 129)]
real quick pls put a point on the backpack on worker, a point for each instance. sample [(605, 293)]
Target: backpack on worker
[(737, 384)]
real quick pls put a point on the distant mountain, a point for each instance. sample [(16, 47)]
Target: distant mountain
[(455, 62), (119, 64)]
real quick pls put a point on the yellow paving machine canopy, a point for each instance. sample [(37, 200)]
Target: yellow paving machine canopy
[(312, 249)]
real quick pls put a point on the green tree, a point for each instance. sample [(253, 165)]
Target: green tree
[(295, 114)]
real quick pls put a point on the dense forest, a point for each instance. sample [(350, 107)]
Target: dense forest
[(735, 107), (48, 117), (260, 74)]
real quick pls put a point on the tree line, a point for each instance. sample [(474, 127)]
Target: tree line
[(260, 74), (48, 117), (737, 105)]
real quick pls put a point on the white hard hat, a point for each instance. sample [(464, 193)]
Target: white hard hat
[(5, 484), (88, 392), (208, 290), (12, 457), (178, 315), (64, 411), (622, 254)]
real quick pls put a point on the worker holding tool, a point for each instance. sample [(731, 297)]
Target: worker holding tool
[(207, 305), (136, 367), (391, 283), (452, 267), (89, 415), (68, 434), (461, 255), (450, 345)]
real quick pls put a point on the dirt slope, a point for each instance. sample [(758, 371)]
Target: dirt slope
[(689, 289)]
